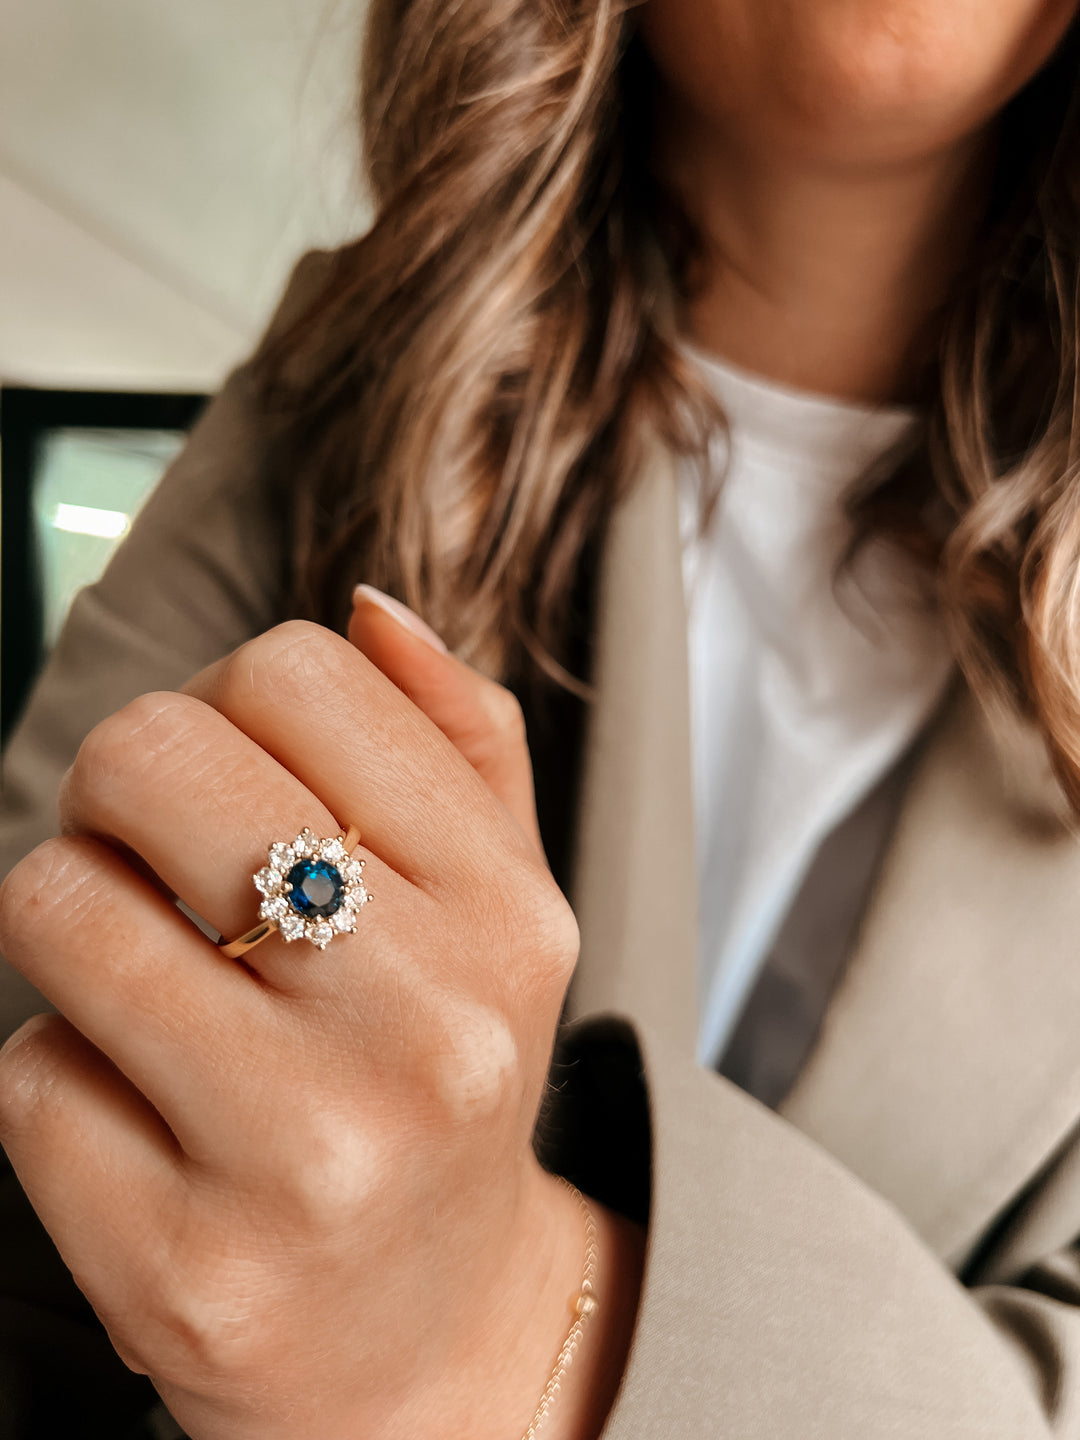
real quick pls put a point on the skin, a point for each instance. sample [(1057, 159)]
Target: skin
[(300, 1191), (835, 155), (262, 1149)]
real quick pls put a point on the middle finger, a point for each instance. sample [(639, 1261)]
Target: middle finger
[(307, 697)]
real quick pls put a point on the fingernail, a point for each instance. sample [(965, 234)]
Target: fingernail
[(399, 612)]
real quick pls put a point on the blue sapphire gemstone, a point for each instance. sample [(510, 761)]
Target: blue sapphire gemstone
[(317, 889)]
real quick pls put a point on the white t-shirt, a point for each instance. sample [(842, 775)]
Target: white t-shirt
[(804, 692)]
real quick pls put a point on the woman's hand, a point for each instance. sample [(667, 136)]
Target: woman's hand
[(300, 1190)]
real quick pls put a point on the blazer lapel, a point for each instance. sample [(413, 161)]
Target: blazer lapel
[(947, 1071), (634, 885)]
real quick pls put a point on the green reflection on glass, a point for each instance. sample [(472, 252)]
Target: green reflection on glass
[(89, 487)]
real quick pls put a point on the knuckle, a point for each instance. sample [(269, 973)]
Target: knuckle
[(208, 1331), (505, 714), (148, 734), (57, 880), (292, 656), (202, 1302), (476, 1072), (545, 927), (334, 1169), (31, 1067)]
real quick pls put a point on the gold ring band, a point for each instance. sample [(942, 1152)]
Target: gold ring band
[(288, 909), (250, 938)]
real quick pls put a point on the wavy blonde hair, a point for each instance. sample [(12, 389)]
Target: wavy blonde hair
[(482, 369), (473, 387)]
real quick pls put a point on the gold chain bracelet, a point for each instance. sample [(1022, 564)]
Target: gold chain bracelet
[(584, 1305)]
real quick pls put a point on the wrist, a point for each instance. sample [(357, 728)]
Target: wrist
[(510, 1337), (588, 1389), (551, 1269)]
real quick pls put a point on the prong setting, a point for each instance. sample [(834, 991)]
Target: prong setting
[(311, 889)]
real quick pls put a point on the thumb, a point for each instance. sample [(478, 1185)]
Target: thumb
[(477, 715)]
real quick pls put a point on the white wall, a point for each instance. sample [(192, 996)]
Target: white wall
[(162, 162)]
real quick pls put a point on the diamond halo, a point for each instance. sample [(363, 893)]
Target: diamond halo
[(311, 889)]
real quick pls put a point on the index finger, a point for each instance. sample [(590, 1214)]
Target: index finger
[(325, 712)]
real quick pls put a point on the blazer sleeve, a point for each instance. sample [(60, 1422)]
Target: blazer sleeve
[(203, 570), (783, 1299)]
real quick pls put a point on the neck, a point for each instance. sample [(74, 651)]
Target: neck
[(824, 278)]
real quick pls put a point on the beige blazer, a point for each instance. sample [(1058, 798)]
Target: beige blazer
[(894, 1255)]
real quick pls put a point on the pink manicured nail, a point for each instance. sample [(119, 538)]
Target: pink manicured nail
[(399, 612)]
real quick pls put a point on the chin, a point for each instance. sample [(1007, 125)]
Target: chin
[(852, 80)]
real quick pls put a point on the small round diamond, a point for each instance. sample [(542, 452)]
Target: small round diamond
[(320, 934), (317, 889), (282, 857), (344, 921), (334, 851), (353, 871), (268, 881), (291, 925), (304, 844), (274, 909)]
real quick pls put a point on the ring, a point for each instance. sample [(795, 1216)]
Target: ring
[(311, 889)]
